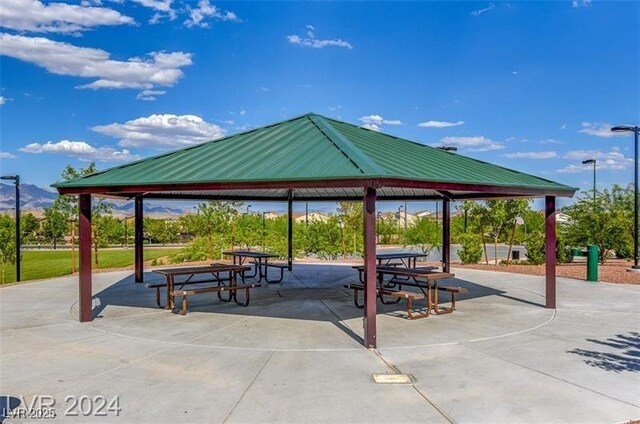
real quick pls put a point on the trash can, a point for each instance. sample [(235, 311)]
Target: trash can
[(515, 255), (592, 263)]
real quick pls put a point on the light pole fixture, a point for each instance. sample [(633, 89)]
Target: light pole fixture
[(592, 162), (399, 215), (248, 207), (633, 129), (16, 180), (448, 148)]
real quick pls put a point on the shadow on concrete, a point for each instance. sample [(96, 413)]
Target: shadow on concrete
[(306, 294), (626, 359), (7, 404)]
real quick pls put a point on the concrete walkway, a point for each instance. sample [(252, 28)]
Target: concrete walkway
[(294, 355)]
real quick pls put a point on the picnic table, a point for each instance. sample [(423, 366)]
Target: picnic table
[(223, 283), (260, 261), (426, 280), (407, 259)]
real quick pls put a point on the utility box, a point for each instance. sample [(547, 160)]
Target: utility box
[(592, 263)]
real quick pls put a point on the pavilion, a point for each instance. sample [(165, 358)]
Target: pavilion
[(311, 158)]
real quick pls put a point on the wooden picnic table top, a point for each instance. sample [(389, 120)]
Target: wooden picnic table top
[(429, 274), (204, 269), (249, 254), (401, 255)]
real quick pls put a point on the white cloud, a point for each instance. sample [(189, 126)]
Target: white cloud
[(472, 144), (149, 95), (162, 9), (613, 160), (7, 155), (550, 141), (580, 3), (532, 155), (35, 16), (311, 41), (375, 122), (205, 10), (162, 131), (481, 11), (158, 69), (81, 150), (439, 124), (599, 129), (3, 100), (515, 73)]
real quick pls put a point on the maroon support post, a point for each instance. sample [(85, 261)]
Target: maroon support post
[(85, 313), (290, 231), (550, 251), (138, 241), (446, 235), (370, 268)]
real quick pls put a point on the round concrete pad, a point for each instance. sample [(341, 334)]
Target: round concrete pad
[(310, 310)]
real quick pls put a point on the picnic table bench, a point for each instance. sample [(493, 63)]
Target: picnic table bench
[(260, 261), (223, 284), (426, 280), (404, 259)]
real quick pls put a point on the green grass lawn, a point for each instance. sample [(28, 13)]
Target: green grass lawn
[(37, 264)]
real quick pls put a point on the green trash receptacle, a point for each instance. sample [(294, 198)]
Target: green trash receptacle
[(592, 263)]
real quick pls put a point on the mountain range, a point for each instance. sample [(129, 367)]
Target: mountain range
[(34, 199)]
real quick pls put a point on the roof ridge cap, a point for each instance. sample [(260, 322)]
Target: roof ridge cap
[(365, 164)]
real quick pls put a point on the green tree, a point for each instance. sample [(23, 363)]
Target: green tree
[(351, 215), (514, 208), (387, 228), (68, 206), (100, 224), (249, 230), (29, 228), (214, 222), (481, 221), (7, 242), (55, 226), (161, 230), (424, 233), (492, 217), (607, 223)]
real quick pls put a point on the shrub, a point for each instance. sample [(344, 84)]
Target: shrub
[(535, 248), (471, 251), (198, 250)]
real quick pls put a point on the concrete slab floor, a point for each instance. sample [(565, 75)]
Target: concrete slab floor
[(294, 354)]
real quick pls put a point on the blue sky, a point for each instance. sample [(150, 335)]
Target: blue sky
[(529, 85)]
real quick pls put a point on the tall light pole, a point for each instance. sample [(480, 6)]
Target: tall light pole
[(592, 162), (399, 209), (264, 233), (405, 217), (633, 129), (248, 207), (16, 180)]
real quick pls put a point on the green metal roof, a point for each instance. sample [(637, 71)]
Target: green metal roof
[(310, 148)]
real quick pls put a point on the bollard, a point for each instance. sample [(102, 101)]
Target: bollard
[(592, 263)]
